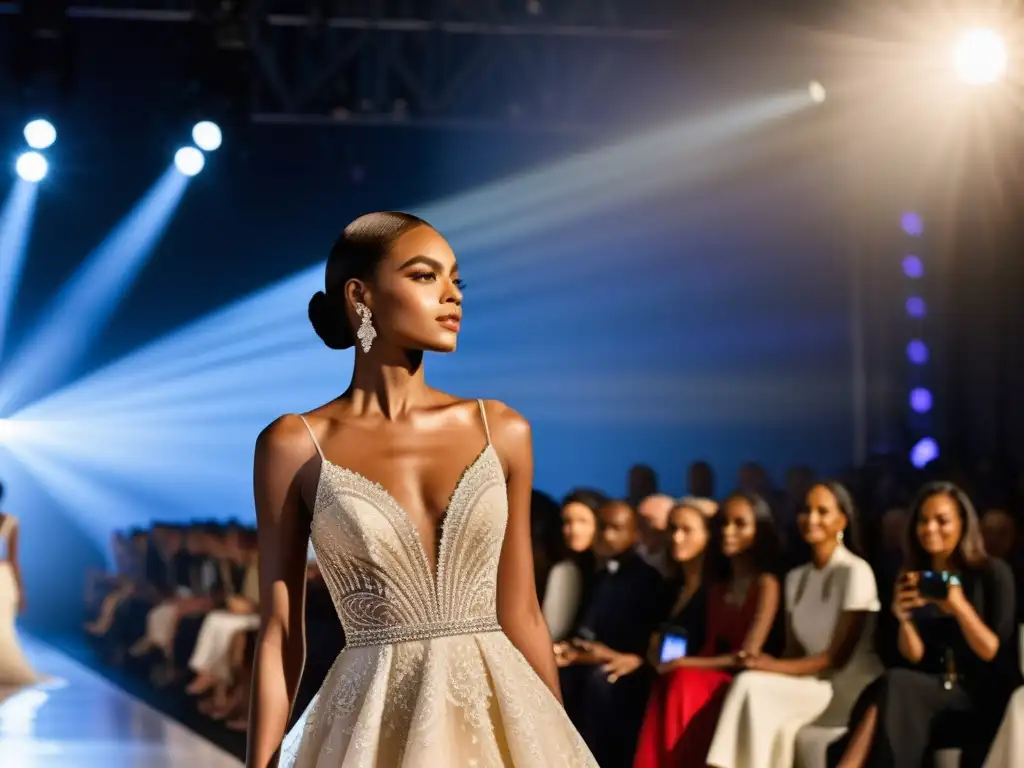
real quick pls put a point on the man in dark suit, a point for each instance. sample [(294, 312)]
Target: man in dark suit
[(604, 679)]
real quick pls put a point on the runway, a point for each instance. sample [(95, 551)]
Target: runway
[(79, 720)]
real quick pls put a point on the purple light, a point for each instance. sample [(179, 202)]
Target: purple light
[(915, 306), (917, 352), (913, 267), (925, 452), (912, 224), (920, 400)]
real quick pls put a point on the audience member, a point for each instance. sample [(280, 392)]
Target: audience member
[(954, 608), (743, 600), (700, 480), (603, 683), (829, 655), (571, 578), (185, 599), (652, 545), (641, 482)]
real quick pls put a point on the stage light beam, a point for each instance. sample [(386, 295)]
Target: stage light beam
[(88, 299), (817, 92), (15, 227)]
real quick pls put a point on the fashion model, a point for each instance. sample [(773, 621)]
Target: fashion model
[(14, 669), (418, 505)]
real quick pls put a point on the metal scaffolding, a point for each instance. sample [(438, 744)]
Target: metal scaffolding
[(540, 64)]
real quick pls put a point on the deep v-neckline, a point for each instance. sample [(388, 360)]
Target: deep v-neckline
[(435, 571)]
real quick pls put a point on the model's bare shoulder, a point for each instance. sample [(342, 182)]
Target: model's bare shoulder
[(511, 436), (284, 447)]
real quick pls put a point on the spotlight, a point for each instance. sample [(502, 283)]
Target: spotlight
[(207, 135), (979, 57), (917, 352), (921, 400), (912, 224), (913, 267), (816, 91), (189, 161), (916, 307), (40, 134), (31, 166), (924, 453)]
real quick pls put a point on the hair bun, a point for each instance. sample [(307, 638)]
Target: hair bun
[(329, 322)]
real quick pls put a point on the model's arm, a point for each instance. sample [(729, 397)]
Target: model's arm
[(519, 610), (12, 556), (282, 534)]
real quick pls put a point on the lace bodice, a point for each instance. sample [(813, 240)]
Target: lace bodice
[(376, 568)]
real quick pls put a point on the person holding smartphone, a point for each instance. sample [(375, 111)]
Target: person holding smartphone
[(742, 604), (689, 529), (831, 603), (954, 614)]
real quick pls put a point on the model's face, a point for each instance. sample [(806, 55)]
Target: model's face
[(939, 526), (579, 526), (416, 294), (618, 529), (738, 528), (689, 533), (820, 519)]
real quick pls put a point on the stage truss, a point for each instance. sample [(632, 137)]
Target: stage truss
[(541, 64)]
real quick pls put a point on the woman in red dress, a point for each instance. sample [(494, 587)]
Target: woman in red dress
[(743, 600)]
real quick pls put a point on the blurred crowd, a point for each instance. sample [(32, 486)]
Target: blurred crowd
[(869, 621)]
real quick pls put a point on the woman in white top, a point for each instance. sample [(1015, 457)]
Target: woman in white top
[(828, 661), (568, 583)]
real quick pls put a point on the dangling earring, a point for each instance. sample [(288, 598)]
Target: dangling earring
[(839, 538), (366, 333)]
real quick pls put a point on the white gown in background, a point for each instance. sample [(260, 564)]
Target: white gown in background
[(427, 678), (764, 712), (1008, 749), (14, 668)]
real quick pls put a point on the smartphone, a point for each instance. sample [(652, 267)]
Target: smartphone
[(673, 646), (934, 585)]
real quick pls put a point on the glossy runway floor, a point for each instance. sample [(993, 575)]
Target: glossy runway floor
[(79, 720)]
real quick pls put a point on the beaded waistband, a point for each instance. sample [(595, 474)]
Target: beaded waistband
[(409, 632)]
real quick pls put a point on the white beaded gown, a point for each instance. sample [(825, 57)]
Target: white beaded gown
[(427, 678), (14, 668)]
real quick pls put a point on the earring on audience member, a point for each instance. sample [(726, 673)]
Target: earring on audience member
[(839, 537), (366, 333)]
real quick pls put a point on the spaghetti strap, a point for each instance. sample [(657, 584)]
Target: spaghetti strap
[(483, 415), (312, 436)]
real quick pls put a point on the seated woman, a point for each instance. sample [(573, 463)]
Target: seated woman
[(105, 593), (689, 530), (211, 658), (955, 612), (570, 579), (743, 600), (829, 658)]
